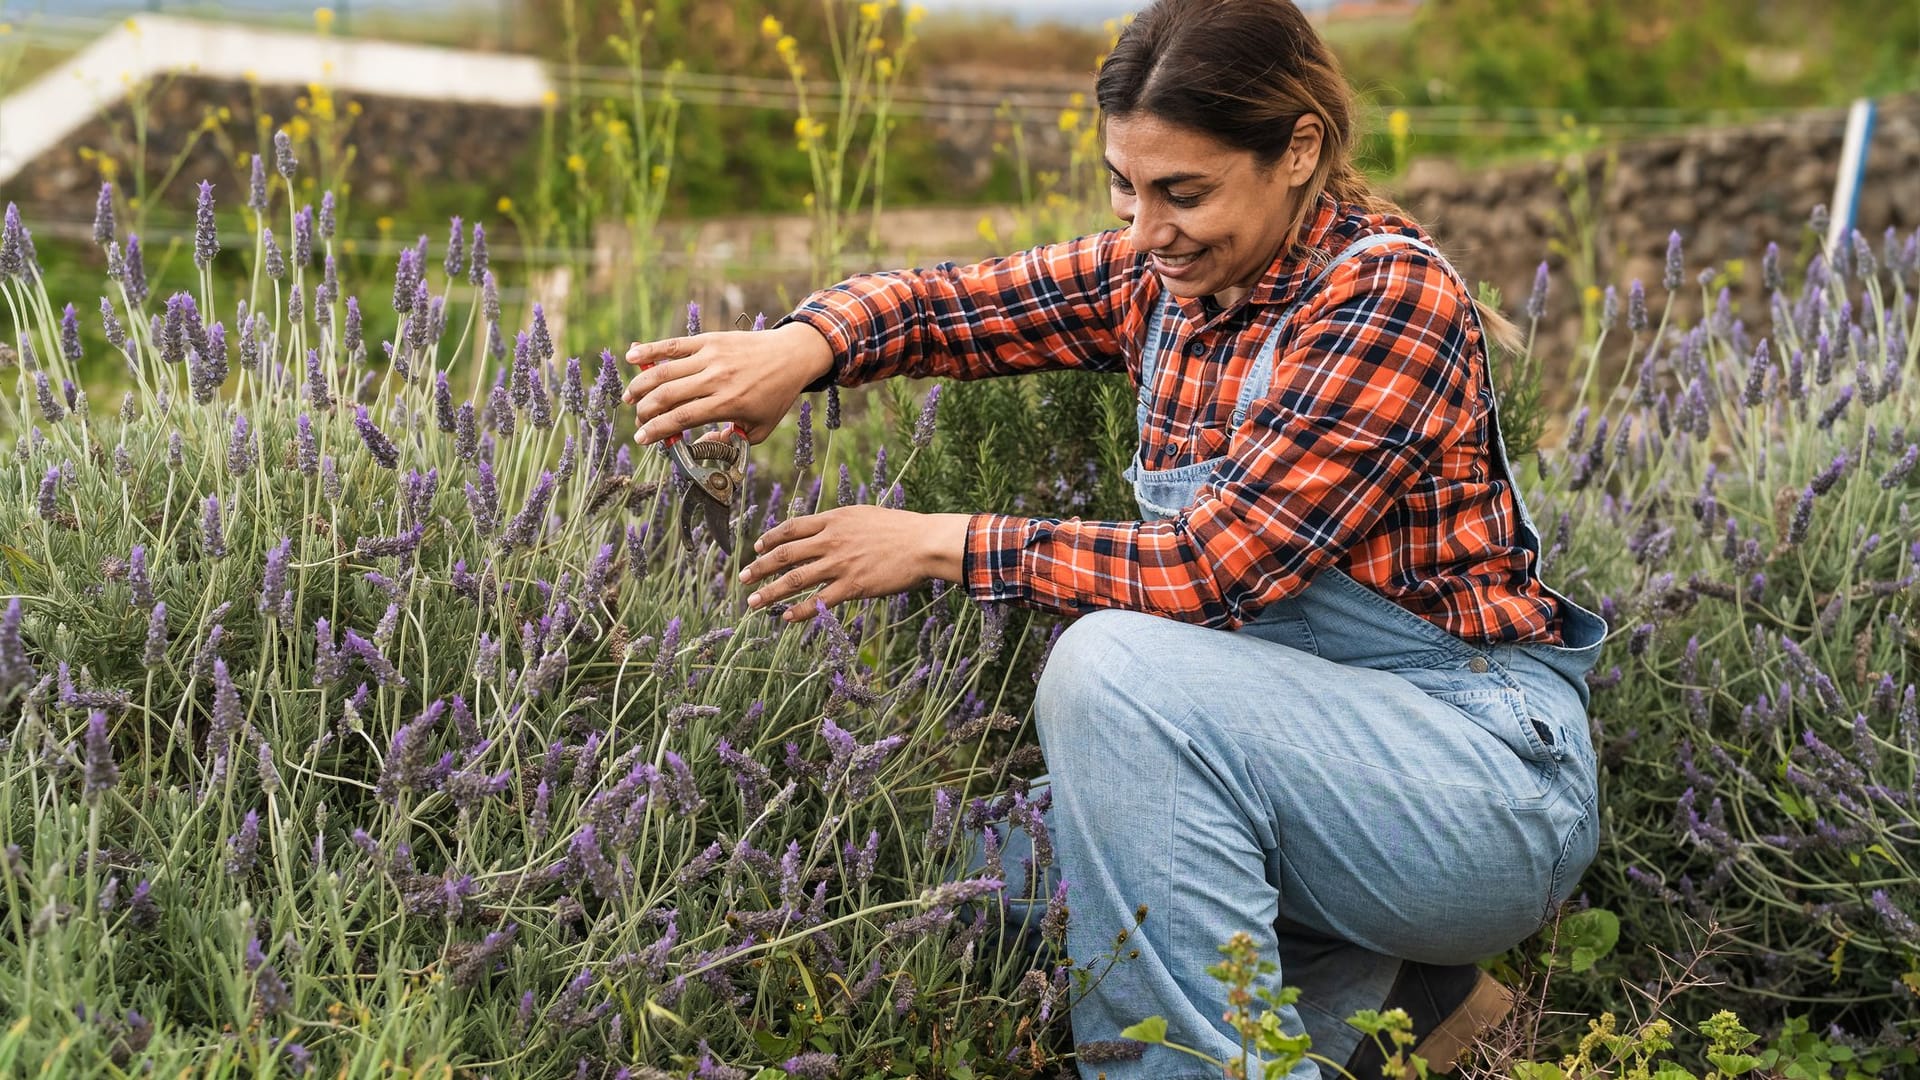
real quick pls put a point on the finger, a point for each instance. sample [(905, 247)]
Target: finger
[(806, 609), (653, 352), (673, 421), (782, 559), (797, 580), (794, 528), (659, 375)]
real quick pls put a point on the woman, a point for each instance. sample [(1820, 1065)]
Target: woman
[(1319, 692)]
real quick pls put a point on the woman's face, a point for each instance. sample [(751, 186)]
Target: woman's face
[(1209, 215)]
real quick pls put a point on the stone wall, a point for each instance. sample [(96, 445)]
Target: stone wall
[(1729, 189)]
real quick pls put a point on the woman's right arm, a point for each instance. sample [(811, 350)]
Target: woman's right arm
[(1053, 306)]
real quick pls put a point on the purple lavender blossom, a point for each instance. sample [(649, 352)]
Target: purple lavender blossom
[(539, 339), (283, 159), (276, 263), (477, 269), (103, 216), (385, 454), (206, 240), (257, 186), (134, 271), (1802, 517), (406, 275), (243, 850), (101, 774), (466, 435), (693, 319), (1897, 473), (43, 396), (137, 579), (70, 334), (350, 334), (16, 668), (303, 237), (13, 244), (240, 451), (213, 538), (49, 502), (116, 334), (155, 652), (1537, 299), (527, 525), (330, 485), (274, 579), (1676, 264), (326, 216), (813, 1065)]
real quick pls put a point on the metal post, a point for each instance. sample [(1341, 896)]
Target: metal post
[(1853, 173)]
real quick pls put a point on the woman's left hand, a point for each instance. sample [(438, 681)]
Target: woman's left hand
[(851, 552)]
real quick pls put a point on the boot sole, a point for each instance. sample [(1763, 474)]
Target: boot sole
[(1486, 1005)]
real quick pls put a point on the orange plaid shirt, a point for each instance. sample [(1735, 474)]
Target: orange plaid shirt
[(1371, 451)]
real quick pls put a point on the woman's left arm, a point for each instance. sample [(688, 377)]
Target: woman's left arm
[(1372, 387)]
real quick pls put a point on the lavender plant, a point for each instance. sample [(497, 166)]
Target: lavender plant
[(346, 725), (1742, 511)]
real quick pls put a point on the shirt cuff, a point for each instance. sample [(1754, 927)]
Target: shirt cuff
[(839, 335), (990, 567)]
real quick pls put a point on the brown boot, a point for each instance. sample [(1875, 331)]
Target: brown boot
[(1449, 1005)]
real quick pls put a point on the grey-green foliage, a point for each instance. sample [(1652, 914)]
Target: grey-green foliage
[(451, 790), (1742, 510)]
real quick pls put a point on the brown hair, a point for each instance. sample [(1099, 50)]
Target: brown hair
[(1244, 72)]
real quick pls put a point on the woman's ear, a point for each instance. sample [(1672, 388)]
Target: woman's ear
[(1304, 152)]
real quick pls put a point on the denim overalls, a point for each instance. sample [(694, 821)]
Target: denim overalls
[(1341, 778)]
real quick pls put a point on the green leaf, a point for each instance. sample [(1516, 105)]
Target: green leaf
[(1588, 935), (1536, 1070), (1151, 1030), (1670, 1071), (1734, 1064)]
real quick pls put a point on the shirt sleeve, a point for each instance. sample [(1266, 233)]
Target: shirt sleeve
[(1053, 306), (1372, 386)]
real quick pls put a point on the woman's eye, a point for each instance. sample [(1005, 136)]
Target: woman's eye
[(1183, 201), (1119, 182)]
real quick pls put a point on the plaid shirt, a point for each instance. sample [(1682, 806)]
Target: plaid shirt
[(1371, 451)]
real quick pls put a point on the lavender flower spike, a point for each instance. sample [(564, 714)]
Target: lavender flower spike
[(385, 454), (257, 186), (1676, 265), (283, 159), (206, 239), (101, 774), (213, 539), (103, 216), (15, 666)]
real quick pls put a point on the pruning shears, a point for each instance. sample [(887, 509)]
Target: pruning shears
[(714, 469)]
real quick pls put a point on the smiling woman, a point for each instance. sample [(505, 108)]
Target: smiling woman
[(1353, 716)]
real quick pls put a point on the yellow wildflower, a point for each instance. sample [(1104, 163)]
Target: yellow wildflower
[(986, 230), (353, 108), (915, 14), (883, 67), (576, 163), (1591, 295), (788, 47), (877, 45), (298, 129), (770, 28), (549, 99), (323, 19), (384, 223), (870, 12), (1069, 119), (505, 205), (1399, 123)]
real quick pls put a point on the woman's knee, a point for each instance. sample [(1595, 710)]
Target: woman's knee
[(1090, 669)]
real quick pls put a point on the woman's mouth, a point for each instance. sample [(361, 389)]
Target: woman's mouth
[(1175, 265)]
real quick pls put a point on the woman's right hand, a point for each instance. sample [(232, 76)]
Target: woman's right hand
[(747, 377)]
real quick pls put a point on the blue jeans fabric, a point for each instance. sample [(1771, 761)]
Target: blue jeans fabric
[(1341, 779)]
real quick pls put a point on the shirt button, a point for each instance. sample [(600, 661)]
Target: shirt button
[(1478, 665), (1197, 347)]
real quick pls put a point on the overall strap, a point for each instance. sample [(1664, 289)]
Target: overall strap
[(1259, 379)]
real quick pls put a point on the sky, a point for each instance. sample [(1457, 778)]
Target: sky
[(1070, 11)]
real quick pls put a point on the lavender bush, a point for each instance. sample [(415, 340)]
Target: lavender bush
[(362, 710), (1742, 511)]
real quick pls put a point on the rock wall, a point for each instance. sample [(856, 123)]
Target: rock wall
[(1730, 189)]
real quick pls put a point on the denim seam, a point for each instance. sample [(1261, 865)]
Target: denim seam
[(1587, 818)]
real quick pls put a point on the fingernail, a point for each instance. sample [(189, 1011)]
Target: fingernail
[(754, 600), (746, 575)]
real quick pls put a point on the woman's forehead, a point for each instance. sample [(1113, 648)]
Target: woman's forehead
[(1160, 150)]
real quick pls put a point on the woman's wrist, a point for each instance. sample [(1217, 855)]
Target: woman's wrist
[(946, 552), (815, 350)]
